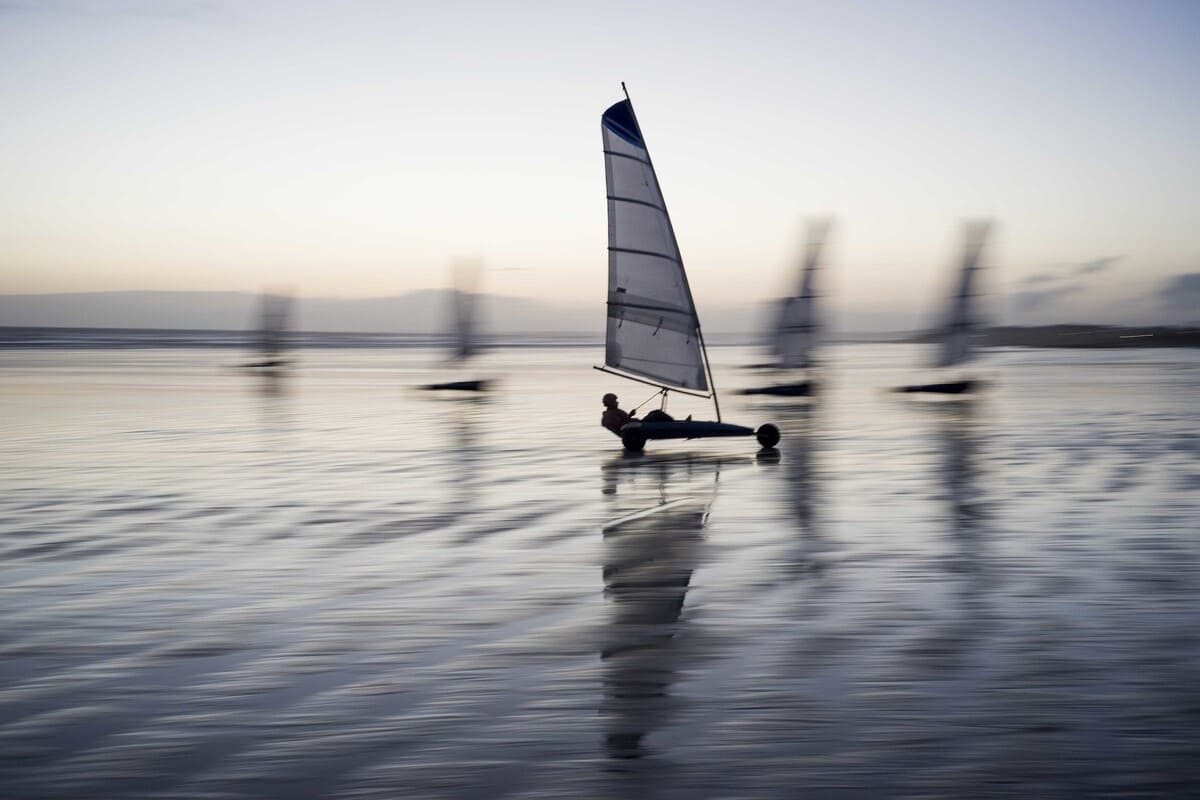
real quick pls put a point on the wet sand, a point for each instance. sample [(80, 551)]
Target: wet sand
[(216, 584)]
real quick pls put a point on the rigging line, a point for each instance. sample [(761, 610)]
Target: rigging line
[(648, 399)]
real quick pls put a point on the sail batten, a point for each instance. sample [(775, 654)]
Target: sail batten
[(625, 155), (644, 253), (639, 202), (653, 330)]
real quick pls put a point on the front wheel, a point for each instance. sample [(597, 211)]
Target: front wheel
[(767, 435), (634, 439)]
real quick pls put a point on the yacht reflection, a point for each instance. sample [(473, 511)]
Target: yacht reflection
[(967, 617), (957, 434), (274, 414), (272, 383), (468, 453), (649, 556), (802, 489)]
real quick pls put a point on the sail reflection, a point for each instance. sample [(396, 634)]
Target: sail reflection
[(966, 621), (650, 555), (810, 548), (957, 423), (271, 383), (466, 414)]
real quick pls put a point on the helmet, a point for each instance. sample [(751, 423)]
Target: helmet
[(608, 398)]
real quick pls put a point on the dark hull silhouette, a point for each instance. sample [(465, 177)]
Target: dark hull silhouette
[(271, 363), (481, 385), (953, 387), (635, 435), (802, 389)]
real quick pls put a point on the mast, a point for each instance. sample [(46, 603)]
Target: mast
[(686, 284)]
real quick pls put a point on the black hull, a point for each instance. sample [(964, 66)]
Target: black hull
[(274, 363), (806, 389), (460, 386), (635, 434), (954, 387)]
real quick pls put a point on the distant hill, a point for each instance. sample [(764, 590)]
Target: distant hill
[(424, 312)]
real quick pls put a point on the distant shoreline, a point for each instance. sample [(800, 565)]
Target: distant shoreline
[(1084, 336), (1044, 336)]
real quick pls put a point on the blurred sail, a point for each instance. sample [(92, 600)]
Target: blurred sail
[(653, 330), (959, 323), (796, 328), (463, 309), (273, 320), (465, 344)]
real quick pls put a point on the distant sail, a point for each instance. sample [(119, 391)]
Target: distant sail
[(465, 344), (464, 300), (273, 322), (653, 330), (796, 327), (960, 323)]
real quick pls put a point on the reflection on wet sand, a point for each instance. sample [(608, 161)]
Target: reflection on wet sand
[(957, 429), (271, 382), (950, 648), (274, 411), (649, 557), (801, 486), (464, 415)]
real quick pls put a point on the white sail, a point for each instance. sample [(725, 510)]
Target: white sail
[(796, 326), (959, 323), (653, 331)]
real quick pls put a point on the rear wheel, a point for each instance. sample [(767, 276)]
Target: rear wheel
[(767, 435), (634, 439)]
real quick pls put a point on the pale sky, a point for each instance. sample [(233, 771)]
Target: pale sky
[(357, 149)]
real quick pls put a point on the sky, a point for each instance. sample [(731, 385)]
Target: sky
[(358, 149)]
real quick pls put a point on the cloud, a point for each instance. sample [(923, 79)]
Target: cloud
[(1181, 293), (1096, 265), (1041, 277), (1041, 299), (1059, 272)]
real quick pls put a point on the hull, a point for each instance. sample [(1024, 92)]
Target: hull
[(274, 368), (803, 389), (482, 385), (635, 435), (953, 387), (686, 429), (272, 363)]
